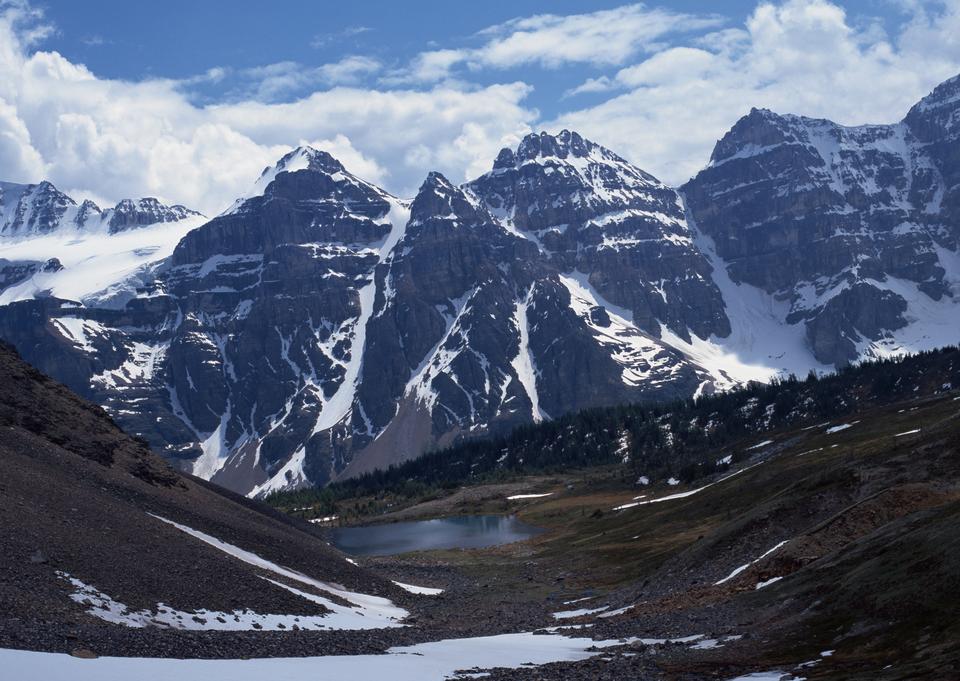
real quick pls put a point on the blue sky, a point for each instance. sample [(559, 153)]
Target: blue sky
[(136, 40), (189, 100)]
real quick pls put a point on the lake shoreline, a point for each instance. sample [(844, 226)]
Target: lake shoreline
[(468, 531)]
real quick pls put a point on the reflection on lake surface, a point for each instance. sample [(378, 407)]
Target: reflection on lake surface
[(462, 532)]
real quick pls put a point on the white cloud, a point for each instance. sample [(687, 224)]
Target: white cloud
[(21, 162), (800, 56), (674, 87), (606, 37), (116, 139), (408, 132), (274, 81), (323, 39)]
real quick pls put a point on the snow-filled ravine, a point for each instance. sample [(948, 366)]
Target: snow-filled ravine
[(431, 661)]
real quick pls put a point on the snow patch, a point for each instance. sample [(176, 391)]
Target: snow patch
[(420, 590), (524, 363), (375, 611), (432, 661), (743, 567)]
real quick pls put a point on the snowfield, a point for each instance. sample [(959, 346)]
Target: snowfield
[(432, 661), (98, 268)]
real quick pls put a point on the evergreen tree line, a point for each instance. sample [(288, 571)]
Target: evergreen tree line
[(685, 439)]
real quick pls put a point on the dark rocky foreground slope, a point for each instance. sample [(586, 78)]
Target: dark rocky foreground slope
[(81, 500)]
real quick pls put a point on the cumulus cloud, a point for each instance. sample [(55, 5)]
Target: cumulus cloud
[(115, 139), (800, 56), (669, 85), (605, 37), (274, 81)]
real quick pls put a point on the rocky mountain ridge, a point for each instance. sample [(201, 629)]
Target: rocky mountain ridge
[(855, 229), (28, 210), (321, 327)]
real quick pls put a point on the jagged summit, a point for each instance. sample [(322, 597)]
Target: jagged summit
[(28, 210), (131, 213), (565, 147), (854, 227), (946, 94), (319, 175), (306, 158), (438, 198), (592, 212), (562, 145)]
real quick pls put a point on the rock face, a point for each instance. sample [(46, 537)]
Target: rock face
[(321, 327), (592, 212), (33, 209), (130, 214), (14, 272), (848, 226)]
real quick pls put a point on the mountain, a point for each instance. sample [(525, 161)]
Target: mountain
[(321, 322), (32, 209), (106, 547), (854, 229), (51, 246), (320, 327), (29, 209)]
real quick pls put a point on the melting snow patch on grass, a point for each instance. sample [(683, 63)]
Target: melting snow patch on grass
[(909, 432), (843, 426), (682, 495), (529, 496)]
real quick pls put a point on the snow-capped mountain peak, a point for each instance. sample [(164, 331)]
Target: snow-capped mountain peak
[(323, 327), (101, 256), (329, 179), (30, 209), (135, 213)]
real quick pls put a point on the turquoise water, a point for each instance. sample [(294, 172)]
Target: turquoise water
[(462, 532)]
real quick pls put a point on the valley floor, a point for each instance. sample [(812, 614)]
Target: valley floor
[(827, 552)]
